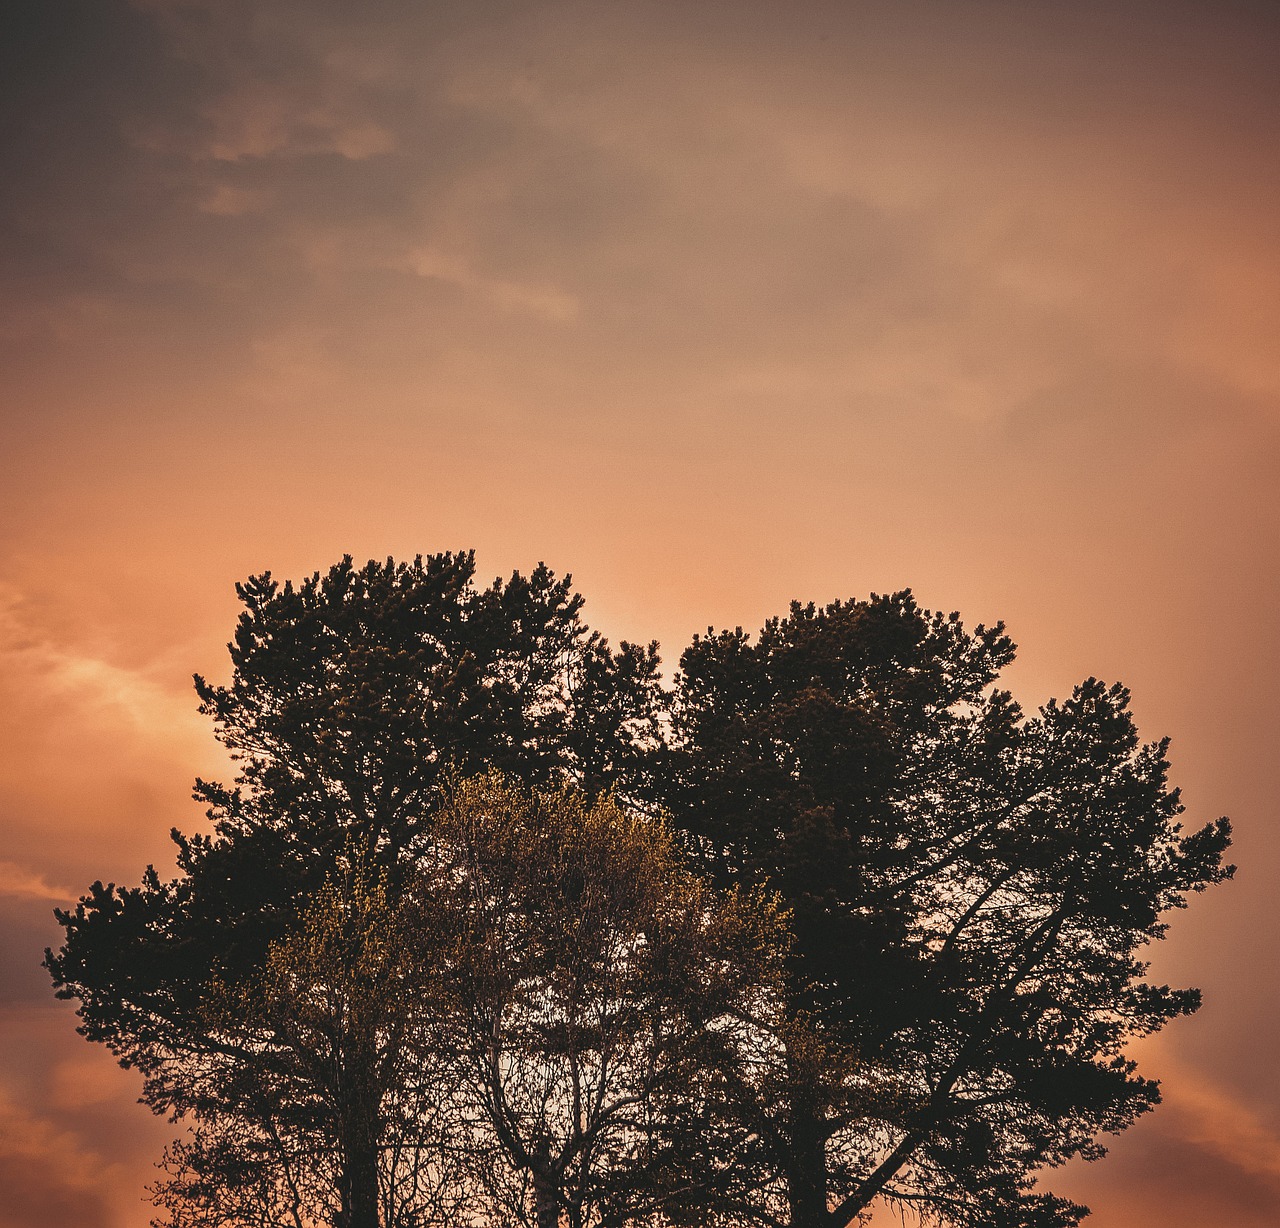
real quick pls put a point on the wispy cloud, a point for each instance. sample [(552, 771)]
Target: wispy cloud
[(49, 1176), (1212, 1117), (16, 880), (86, 679), (545, 301)]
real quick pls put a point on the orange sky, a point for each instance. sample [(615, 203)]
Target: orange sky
[(711, 305)]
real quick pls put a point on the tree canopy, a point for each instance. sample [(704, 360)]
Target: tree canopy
[(440, 948), (598, 994), (972, 891), (350, 695)]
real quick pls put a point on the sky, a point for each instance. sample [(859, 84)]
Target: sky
[(713, 306)]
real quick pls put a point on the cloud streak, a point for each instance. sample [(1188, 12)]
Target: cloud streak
[(18, 881), (1208, 1116), (715, 307)]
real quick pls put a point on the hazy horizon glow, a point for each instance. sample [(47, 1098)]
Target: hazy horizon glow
[(713, 307)]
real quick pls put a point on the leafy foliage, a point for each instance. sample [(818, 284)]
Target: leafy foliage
[(311, 1069), (601, 993), (351, 694), (440, 959), (971, 891)]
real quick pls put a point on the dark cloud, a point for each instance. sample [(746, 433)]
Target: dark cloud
[(37, 1194), (28, 927), (1193, 1181), (715, 305)]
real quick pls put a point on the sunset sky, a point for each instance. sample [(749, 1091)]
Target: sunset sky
[(712, 305)]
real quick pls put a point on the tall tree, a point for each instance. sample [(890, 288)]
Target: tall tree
[(972, 891), (350, 694), (970, 888), (601, 995), (310, 1100)]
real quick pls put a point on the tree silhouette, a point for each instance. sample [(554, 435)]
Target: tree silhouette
[(373, 992), (350, 694), (599, 993), (972, 890)]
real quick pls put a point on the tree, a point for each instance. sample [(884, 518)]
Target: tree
[(969, 891), (350, 695), (971, 888), (311, 1069), (599, 993)]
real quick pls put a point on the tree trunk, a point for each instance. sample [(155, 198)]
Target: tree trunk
[(807, 1134), (545, 1201), (807, 1170), (360, 1173)]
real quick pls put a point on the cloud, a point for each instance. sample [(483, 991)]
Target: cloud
[(225, 200), (828, 216), (1206, 1114), (256, 120), (16, 880), (85, 680), (90, 744), (544, 301), (49, 1176), (1208, 1154), (91, 1078)]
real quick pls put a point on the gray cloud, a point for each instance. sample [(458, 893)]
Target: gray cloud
[(719, 304)]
